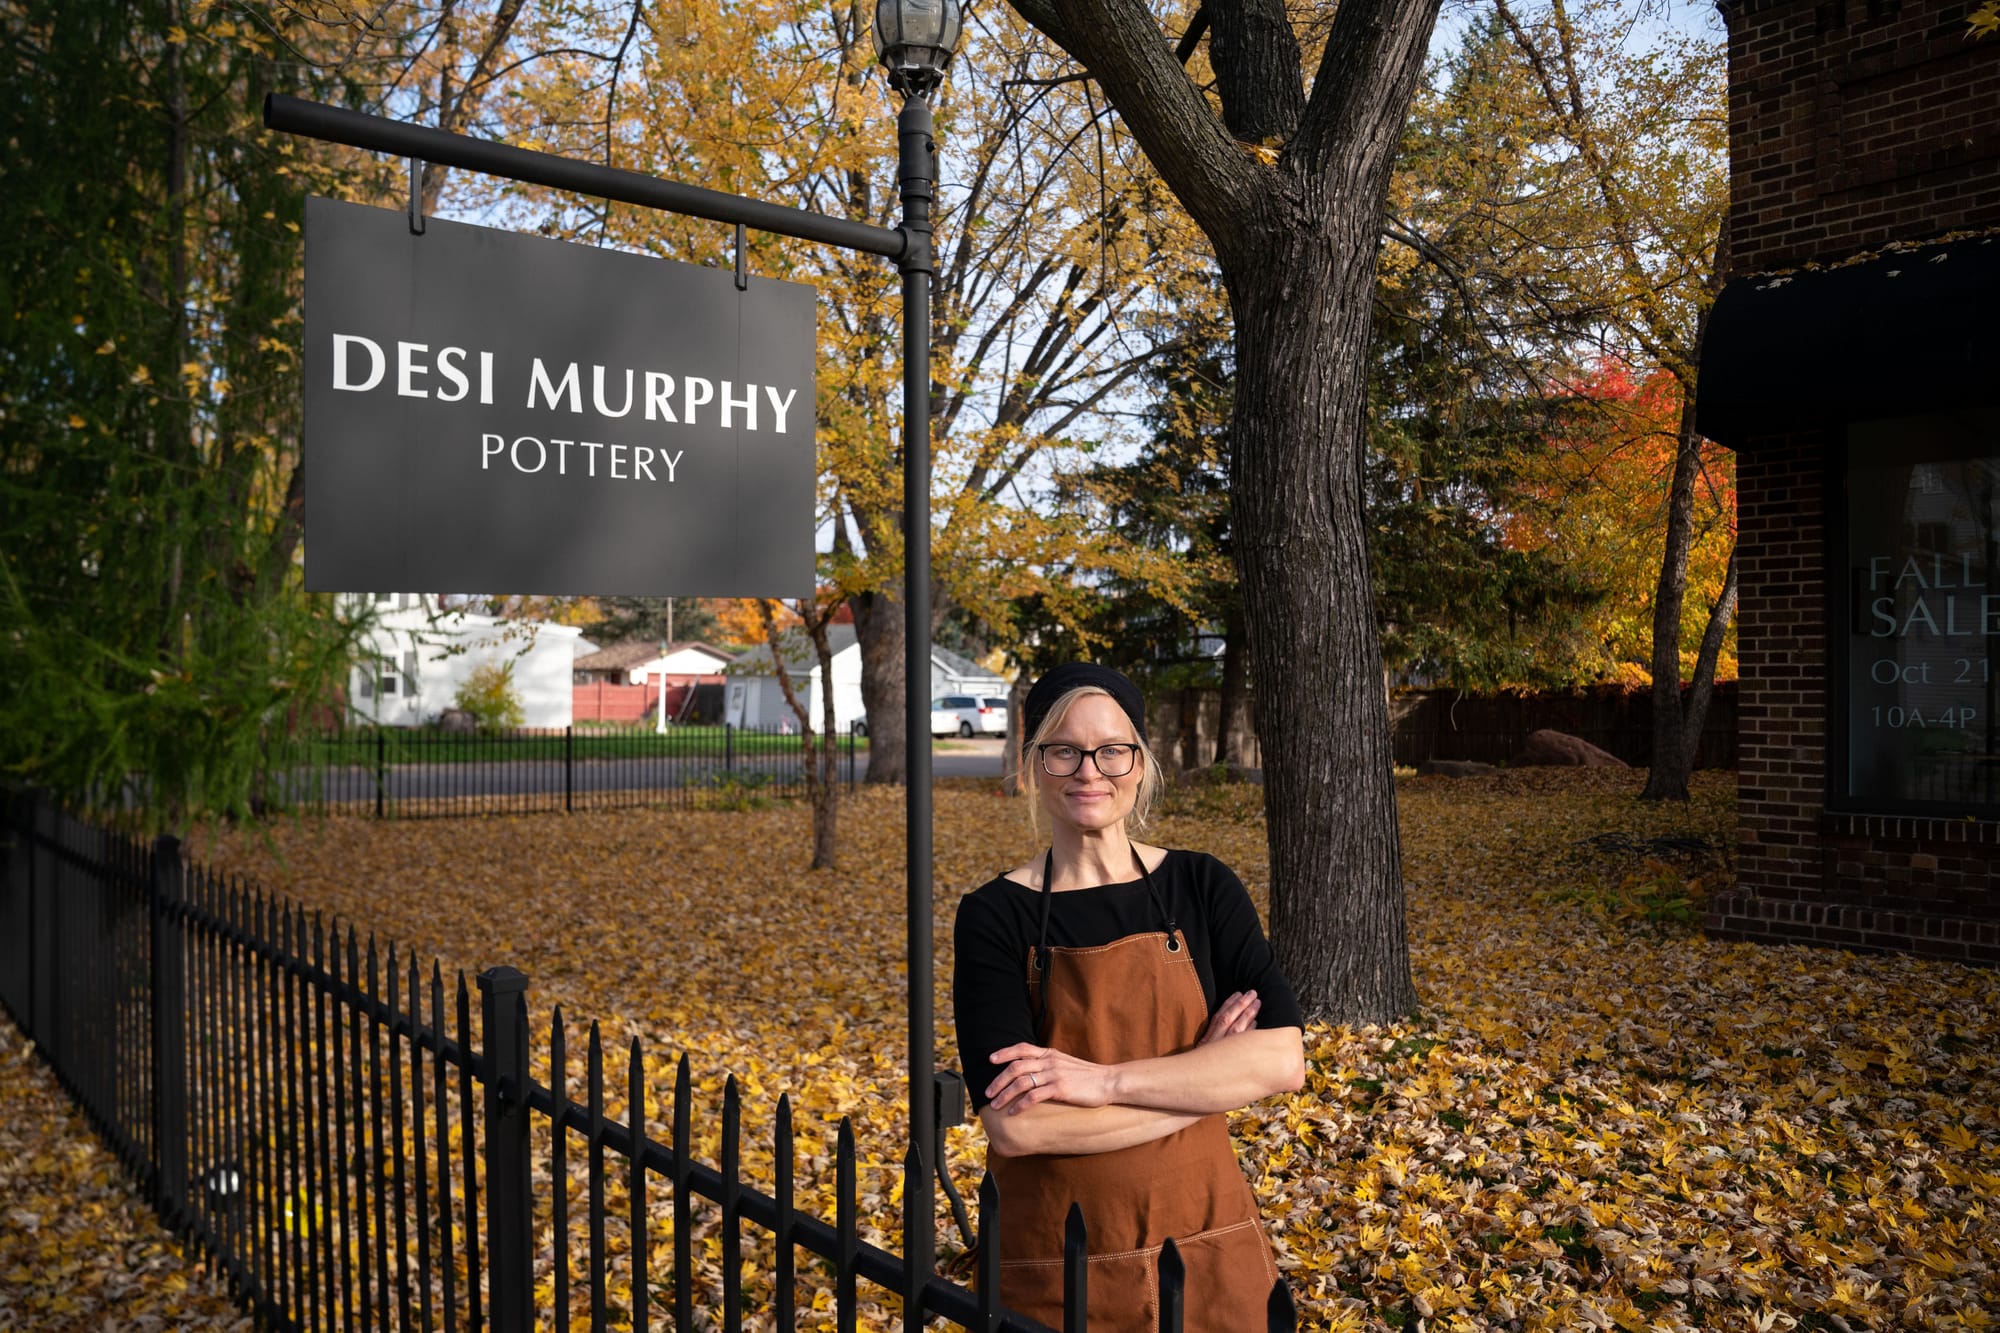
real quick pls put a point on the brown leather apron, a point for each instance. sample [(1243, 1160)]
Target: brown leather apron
[(1130, 1000)]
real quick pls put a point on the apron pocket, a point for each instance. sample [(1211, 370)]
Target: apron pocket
[(1122, 1296), (1229, 1277), (1228, 1288)]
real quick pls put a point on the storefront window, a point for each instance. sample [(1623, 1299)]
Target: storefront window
[(1922, 675)]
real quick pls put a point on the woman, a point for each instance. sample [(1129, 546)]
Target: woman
[(1113, 1000)]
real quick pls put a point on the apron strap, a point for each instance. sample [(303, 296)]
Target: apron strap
[(1045, 956), (1159, 904)]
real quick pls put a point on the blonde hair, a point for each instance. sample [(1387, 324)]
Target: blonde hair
[(1151, 777)]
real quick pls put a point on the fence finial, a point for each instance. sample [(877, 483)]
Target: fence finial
[(1280, 1315), (1076, 1271), (1173, 1288)]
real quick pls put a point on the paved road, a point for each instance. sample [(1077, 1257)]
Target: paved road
[(978, 758)]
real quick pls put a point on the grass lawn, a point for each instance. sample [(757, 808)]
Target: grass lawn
[(1601, 1118)]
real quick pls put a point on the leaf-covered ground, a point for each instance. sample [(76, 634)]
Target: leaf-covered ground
[(79, 1248), (1601, 1118)]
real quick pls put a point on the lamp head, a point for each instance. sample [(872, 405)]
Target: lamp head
[(915, 40)]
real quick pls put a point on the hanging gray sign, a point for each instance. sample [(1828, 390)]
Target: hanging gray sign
[(490, 412)]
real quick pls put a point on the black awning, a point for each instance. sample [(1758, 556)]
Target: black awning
[(1899, 334)]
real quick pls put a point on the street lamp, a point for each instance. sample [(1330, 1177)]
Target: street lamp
[(915, 38)]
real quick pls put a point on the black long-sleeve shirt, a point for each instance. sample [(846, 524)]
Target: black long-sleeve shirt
[(999, 924)]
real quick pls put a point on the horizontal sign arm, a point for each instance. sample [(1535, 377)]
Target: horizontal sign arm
[(333, 124)]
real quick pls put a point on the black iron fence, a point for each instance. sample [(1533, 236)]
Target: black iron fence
[(306, 1107), (414, 773)]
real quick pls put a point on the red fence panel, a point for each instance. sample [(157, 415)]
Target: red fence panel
[(601, 701)]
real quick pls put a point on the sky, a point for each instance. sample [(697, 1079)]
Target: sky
[(1689, 18)]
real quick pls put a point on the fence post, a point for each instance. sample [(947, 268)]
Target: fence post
[(919, 1233), (503, 1026), (1173, 1288), (728, 747), (27, 807), (41, 918), (1280, 1315), (381, 772), (165, 886), (569, 767), (1076, 1271)]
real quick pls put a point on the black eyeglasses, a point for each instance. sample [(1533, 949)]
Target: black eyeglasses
[(1113, 761)]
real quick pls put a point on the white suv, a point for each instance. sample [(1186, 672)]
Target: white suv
[(978, 715)]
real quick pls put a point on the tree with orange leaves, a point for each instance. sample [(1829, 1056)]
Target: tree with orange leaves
[(1574, 199), (1640, 164), (1597, 500)]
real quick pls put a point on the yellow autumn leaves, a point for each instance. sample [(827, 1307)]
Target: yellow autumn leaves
[(79, 1249), (1602, 1119)]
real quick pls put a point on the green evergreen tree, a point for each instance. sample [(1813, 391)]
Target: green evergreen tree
[(667, 619), (153, 631)]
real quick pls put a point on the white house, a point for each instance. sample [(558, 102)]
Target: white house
[(417, 654), (952, 674), (756, 700), (638, 663)]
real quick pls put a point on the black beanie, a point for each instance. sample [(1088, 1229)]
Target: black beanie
[(1078, 675)]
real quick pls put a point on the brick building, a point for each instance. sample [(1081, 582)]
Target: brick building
[(1853, 362)]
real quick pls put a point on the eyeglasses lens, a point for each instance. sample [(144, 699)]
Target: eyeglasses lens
[(1113, 761)]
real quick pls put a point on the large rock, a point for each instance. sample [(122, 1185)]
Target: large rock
[(1558, 749)]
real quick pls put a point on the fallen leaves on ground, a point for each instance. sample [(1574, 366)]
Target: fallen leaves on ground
[(1601, 1118), (79, 1247), (1606, 1120)]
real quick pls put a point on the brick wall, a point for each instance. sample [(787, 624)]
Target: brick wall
[(1852, 123), (1781, 652), (1855, 122), (1868, 882)]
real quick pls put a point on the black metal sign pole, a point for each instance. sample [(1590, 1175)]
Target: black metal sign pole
[(916, 167), (910, 246), (358, 129)]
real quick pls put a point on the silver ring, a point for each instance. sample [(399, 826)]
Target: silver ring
[(1034, 1082)]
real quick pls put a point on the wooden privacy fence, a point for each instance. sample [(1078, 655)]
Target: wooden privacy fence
[(1491, 728), (1451, 724), (308, 1109), (687, 701)]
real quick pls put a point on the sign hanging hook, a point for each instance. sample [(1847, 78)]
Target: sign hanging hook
[(742, 273), (416, 196)]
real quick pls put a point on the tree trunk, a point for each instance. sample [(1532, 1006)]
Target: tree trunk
[(878, 627), (1677, 732), (1294, 223), (1232, 728), (1667, 778), (176, 438), (825, 798), (1190, 728), (818, 749), (1010, 753), (1703, 688), (1337, 908)]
